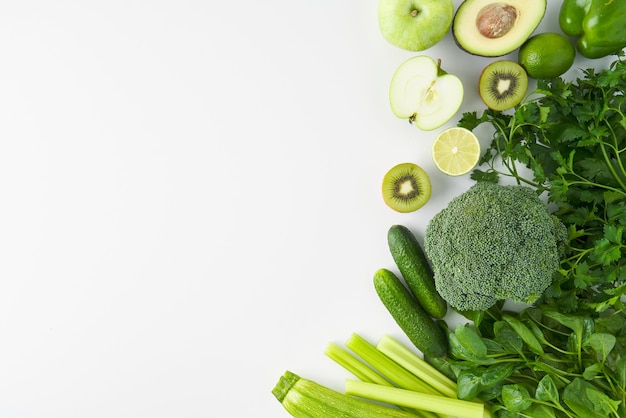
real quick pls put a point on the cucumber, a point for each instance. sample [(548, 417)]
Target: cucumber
[(416, 270), (419, 327)]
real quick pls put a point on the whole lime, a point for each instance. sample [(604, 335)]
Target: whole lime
[(547, 55)]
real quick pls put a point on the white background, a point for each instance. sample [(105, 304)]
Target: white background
[(190, 199)]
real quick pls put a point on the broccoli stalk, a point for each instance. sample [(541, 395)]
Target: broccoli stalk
[(494, 242)]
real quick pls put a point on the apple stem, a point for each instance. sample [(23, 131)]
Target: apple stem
[(414, 12)]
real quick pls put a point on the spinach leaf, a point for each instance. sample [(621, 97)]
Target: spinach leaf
[(516, 398), (540, 411), (586, 400), (524, 333), (602, 343), (507, 337), (464, 349), (469, 339), (468, 384), (495, 374), (572, 321), (547, 390)]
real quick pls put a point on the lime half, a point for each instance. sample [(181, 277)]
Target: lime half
[(456, 151)]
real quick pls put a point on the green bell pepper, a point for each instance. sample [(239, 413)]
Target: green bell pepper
[(599, 24), (571, 16)]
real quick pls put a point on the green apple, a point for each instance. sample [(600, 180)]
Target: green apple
[(415, 25), (423, 93)]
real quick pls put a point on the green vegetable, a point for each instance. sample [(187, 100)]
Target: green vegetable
[(543, 363), (524, 332), (418, 326), (403, 397), (304, 398), (354, 365), (417, 366), (391, 364), (415, 269), (491, 243), (372, 366), (571, 16), (598, 23), (392, 370), (568, 141)]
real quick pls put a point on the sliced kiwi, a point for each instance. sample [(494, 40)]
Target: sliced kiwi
[(406, 187), (503, 84)]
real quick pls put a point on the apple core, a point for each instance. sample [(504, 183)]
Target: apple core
[(432, 95)]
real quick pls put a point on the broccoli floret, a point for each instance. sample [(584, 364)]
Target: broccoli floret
[(494, 242)]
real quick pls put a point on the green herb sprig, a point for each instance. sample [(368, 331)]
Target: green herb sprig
[(568, 141)]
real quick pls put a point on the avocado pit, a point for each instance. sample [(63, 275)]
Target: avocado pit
[(496, 19)]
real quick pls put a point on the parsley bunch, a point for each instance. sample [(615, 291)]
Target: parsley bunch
[(568, 140)]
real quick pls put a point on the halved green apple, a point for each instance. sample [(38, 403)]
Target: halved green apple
[(423, 93)]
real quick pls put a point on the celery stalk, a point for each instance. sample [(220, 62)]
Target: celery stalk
[(387, 367), (416, 365), (354, 365), (365, 373), (412, 399), (421, 368)]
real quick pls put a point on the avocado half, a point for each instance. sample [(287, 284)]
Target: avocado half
[(494, 28)]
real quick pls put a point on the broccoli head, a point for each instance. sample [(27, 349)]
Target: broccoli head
[(494, 242)]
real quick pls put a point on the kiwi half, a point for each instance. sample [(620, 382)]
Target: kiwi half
[(406, 187), (502, 84)]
